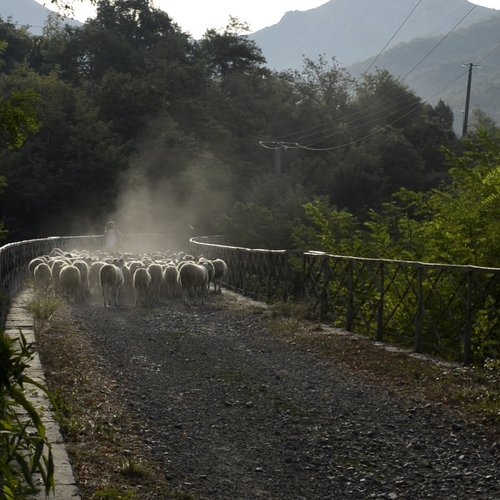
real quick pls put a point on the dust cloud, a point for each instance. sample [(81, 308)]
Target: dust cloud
[(158, 209)]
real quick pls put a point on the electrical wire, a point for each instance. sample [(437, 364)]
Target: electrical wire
[(364, 72), (381, 129), (389, 42), (438, 44), (488, 54), (321, 128)]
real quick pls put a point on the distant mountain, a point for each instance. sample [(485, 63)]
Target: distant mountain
[(353, 30), (439, 74), (29, 13)]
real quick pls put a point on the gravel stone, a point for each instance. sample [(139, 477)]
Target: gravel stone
[(234, 412)]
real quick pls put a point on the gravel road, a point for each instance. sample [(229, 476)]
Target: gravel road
[(234, 412)]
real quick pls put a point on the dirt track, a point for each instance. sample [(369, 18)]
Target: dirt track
[(232, 411)]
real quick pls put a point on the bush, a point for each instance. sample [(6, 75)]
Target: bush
[(24, 449)]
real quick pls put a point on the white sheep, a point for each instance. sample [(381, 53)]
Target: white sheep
[(111, 279), (94, 280), (192, 279), (33, 263), (127, 289), (56, 267), (69, 280), (43, 276), (141, 282), (156, 273), (56, 252), (209, 266), (133, 265), (84, 287), (169, 281), (220, 273)]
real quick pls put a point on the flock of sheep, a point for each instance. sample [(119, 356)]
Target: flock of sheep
[(143, 278)]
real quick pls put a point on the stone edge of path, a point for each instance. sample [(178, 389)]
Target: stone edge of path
[(19, 318)]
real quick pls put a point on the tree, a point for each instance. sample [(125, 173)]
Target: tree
[(456, 223), (462, 226), (68, 169), (230, 51), (17, 120)]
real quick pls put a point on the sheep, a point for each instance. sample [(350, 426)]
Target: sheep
[(33, 263), (84, 278), (192, 279), (127, 289), (43, 276), (156, 273), (56, 252), (141, 282), (209, 266), (134, 265), (94, 282), (69, 279), (169, 280), (57, 265), (220, 273), (111, 279)]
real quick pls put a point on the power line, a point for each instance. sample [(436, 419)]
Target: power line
[(381, 129), (364, 72), (439, 43), (390, 40), (321, 129), (488, 54)]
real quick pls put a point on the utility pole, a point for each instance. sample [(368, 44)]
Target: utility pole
[(277, 160), (467, 98), (278, 147)]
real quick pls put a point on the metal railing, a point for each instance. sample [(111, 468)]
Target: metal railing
[(446, 310), (15, 257), (451, 311)]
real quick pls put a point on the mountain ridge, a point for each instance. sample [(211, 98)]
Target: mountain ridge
[(30, 14), (333, 28)]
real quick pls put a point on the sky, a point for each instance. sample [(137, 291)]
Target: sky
[(196, 16)]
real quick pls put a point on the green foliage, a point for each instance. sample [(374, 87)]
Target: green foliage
[(24, 449), (70, 166), (462, 221), (129, 94), (267, 219), (17, 119), (328, 230), (230, 51), (456, 224)]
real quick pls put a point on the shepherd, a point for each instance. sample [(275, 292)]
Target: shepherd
[(111, 236)]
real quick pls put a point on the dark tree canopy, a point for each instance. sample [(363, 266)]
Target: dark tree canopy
[(130, 102)]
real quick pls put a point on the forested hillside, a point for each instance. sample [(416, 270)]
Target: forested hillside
[(131, 119), (477, 44)]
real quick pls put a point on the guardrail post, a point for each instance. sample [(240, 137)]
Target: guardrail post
[(467, 335), (350, 297), (380, 309), (420, 311)]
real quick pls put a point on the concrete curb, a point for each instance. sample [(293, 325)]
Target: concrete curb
[(20, 318)]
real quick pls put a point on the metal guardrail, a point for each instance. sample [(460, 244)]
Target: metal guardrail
[(446, 310), (14, 259)]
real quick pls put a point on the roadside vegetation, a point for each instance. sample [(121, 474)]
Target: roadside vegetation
[(25, 452), (129, 111)]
